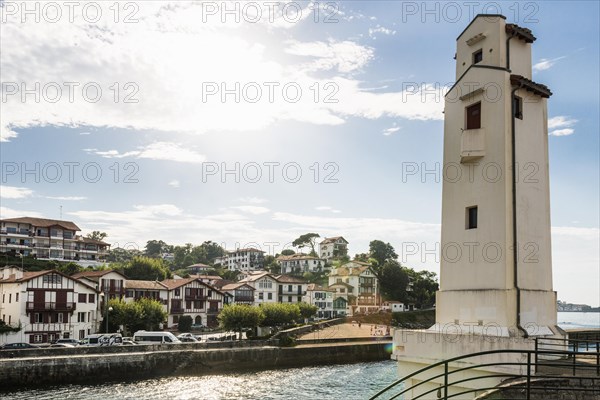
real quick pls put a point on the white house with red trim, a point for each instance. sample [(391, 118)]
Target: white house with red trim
[(192, 297), (47, 305)]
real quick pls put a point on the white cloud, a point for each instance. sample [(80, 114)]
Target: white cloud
[(390, 131), (167, 63), (545, 63), (327, 208), (561, 121), (256, 210), (13, 192), (67, 198), (6, 212), (345, 56), (174, 183), (380, 29), (155, 151), (562, 132)]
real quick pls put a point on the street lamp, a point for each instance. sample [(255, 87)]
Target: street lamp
[(107, 311)]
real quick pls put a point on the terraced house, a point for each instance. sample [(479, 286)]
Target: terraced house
[(47, 305), (50, 239), (191, 296)]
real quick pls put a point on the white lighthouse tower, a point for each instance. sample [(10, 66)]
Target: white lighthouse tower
[(496, 267)]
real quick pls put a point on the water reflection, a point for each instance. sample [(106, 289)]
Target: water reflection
[(354, 381)]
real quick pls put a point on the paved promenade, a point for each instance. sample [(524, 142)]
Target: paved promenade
[(342, 331)]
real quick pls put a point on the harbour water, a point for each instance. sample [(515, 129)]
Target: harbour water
[(348, 382), (578, 320)]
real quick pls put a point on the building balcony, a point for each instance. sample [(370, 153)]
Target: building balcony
[(245, 299), (178, 310), (113, 289), (196, 298), (20, 233), (291, 293), (49, 306)]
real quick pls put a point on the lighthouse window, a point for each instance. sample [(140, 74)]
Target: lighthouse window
[(478, 56), (518, 107), (471, 217), (474, 116)]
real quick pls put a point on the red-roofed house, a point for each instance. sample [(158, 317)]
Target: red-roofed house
[(47, 304), (191, 296)]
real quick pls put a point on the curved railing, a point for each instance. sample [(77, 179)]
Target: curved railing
[(541, 363)]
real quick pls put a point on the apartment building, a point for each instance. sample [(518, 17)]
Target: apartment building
[(47, 305), (300, 263), (50, 239), (249, 259)]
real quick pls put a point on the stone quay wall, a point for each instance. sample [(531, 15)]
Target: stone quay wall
[(106, 364)]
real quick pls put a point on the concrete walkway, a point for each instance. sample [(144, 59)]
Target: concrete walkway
[(342, 331)]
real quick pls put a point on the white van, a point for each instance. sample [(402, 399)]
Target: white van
[(107, 339), (146, 337)]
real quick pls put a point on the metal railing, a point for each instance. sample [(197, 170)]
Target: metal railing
[(574, 359), (49, 306)]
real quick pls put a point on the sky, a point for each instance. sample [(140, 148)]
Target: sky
[(251, 123)]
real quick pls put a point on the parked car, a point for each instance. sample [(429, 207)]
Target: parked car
[(146, 337), (187, 339), (185, 335), (17, 346), (198, 327), (103, 339), (128, 342), (73, 342), (64, 345)]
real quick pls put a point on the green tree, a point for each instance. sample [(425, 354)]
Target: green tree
[(97, 235), (185, 324), (239, 317), (69, 268), (155, 248), (288, 252), (424, 286), (144, 268), (120, 255), (228, 274), (363, 257), (307, 310), (143, 314), (278, 314), (394, 281), (381, 252), (153, 313), (307, 240)]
